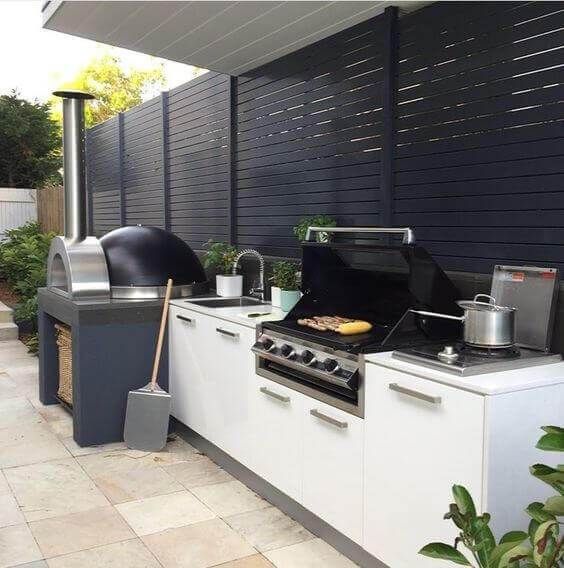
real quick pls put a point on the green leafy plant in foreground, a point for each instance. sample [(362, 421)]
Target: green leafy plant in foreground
[(541, 546)]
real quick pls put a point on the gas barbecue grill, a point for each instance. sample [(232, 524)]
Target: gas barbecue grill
[(360, 279)]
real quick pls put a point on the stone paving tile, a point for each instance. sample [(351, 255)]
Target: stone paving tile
[(156, 514), (126, 554), (255, 561), (17, 546), (268, 529), (25, 444), (229, 498), (80, 531), (198, 546), (10, 513), (198, 472), (122, 477), (309, 554), (54, 488)]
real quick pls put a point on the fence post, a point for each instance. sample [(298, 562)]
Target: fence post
[(389, 98), (120, 141), (232, 146), (164, 158)]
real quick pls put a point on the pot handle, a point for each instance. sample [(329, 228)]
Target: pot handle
[(437, 315), (491, 299)]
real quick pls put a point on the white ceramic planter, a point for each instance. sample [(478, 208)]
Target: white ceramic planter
[(288, 299), (275, 296), (229, 286)]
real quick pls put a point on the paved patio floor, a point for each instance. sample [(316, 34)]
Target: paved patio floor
[(64, 506)]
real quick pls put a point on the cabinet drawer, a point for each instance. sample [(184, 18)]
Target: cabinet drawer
[(277, 435), (421, 437), (333, 464)]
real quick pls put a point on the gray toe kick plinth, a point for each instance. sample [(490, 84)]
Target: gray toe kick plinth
[(113, 344)]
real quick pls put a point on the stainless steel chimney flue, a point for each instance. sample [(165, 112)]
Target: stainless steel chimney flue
[(77, 265), (74, 169)]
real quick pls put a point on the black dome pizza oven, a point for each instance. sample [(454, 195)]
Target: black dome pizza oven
[(131, 262), (141, 259)]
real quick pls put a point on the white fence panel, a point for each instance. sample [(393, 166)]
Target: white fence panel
[(17, 207)]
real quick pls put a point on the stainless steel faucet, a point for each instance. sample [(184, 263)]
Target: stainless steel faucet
[(258, 292)]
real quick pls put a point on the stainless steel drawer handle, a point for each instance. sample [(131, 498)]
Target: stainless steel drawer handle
[(183, 318), (226, 332), (275, 395), (415, 394), (329, 419)]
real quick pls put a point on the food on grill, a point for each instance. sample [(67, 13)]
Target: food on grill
[(344, 326), (354, 327)]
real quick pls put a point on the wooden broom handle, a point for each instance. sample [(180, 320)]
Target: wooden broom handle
[(161, 335)]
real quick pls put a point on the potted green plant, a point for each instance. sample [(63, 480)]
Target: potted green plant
[(285, 277), (541, 546), (300, 230), (221, 257)]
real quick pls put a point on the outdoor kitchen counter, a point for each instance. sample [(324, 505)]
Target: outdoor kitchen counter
[(486, 384), (235, 315)]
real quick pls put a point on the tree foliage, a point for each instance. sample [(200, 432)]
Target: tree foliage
[(116, 89), (30, 143)]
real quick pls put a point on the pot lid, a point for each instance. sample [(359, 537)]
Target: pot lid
[(489, 306)]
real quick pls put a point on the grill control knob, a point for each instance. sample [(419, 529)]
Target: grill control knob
[(287, 351), (331, 365), (308, 358), (267, 344)]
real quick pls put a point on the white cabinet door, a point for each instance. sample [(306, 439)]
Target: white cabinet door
[(231, 368), (333, 464), (277, 435), (188, 385), (421, 437)]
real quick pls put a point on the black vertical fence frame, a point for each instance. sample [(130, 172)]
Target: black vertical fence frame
[(448, 119)]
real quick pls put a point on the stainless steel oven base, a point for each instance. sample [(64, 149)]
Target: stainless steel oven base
[(318, 393)]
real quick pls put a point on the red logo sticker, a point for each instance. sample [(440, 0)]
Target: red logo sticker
[(518, 276)]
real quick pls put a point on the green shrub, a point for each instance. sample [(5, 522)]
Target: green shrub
[(23, 264), (220, 256), (285, 275)]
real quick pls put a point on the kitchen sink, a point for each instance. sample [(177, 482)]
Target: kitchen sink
[(228, 302)]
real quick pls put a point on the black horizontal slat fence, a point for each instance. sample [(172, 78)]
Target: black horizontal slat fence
[(448, 120)]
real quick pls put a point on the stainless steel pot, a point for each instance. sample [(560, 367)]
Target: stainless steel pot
[(485, 323)]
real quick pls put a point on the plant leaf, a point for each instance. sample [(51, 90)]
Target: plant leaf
[(464, 500), (444, 552), (541, 538), (514, 555), (555, 505), (513, 536), (553, 429), (537, 512), (552, 442), (510, 541), (551, 476)]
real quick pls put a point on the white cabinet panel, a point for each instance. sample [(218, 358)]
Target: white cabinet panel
[(277, 435), (415, 450), (187, 370), (333, 461), (231, 364)]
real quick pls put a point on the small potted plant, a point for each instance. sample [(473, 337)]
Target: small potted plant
[(221, 256), (285, 277), (300, 230)]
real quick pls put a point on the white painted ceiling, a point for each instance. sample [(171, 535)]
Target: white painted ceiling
[(229, 37)]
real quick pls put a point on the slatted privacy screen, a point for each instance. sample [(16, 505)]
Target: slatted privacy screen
[(310, 137), (199, 159), (479, 161), (448, 120), (103, 175), (143, 164)]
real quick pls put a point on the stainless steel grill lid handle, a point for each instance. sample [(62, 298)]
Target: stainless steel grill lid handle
[(408, 234)]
